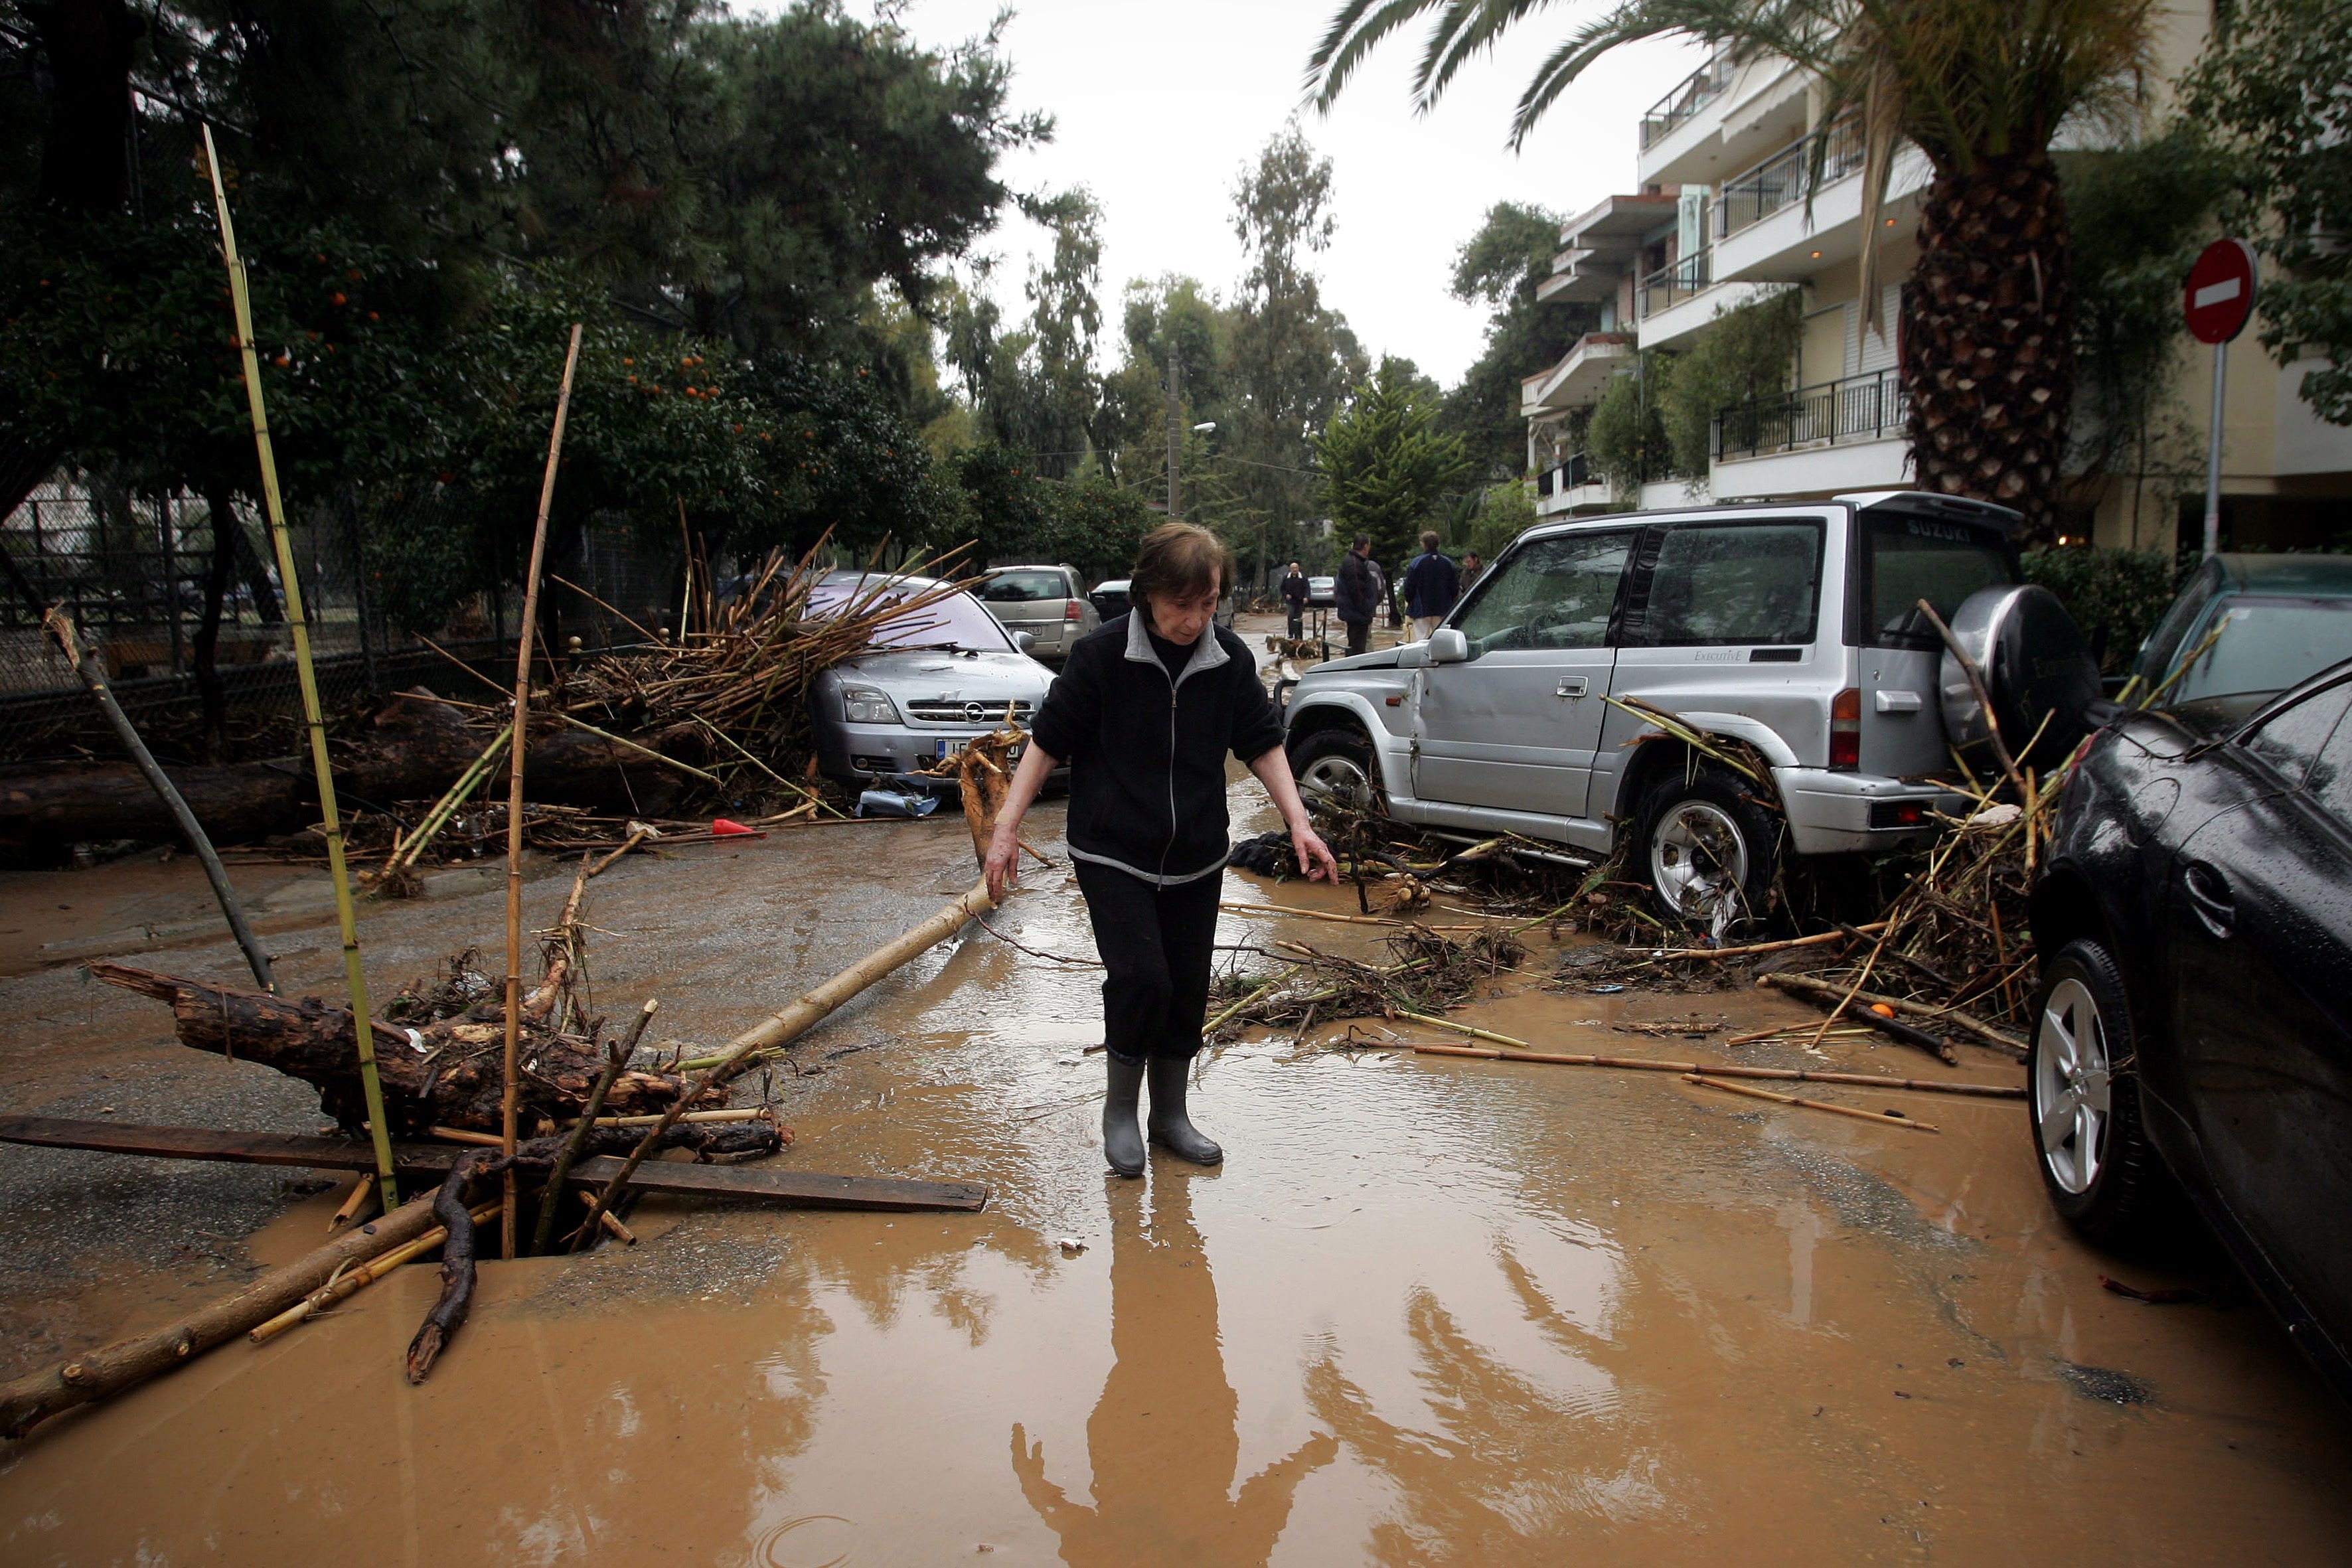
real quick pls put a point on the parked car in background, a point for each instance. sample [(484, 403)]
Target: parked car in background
[(2280, 617), (2194, 1020), (936, 677), (1046, 601), (1110, 598), (1322, 593), (1791, 628)]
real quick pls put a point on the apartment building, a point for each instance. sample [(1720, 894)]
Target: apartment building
[(1726, 211)]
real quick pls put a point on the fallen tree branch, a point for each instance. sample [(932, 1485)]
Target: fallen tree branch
[(1802, 1075), (448, 1314), (1983, 1031)]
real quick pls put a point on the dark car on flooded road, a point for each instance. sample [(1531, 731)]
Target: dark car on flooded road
[(2194, 1024)]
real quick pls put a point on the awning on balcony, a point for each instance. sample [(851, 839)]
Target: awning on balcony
[(1580, 376), (1600, 246)]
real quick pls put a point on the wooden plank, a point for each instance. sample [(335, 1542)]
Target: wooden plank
[(792, 1189)]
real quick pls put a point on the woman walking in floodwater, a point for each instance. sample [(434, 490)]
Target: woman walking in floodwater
[(1145, 711)]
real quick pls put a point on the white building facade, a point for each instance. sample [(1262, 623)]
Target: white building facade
[(1723, 214)]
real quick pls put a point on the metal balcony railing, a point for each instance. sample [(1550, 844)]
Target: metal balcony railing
[(1694, 92), (1856, 408), (1781, 181), (1564, 476), (1676, 281)]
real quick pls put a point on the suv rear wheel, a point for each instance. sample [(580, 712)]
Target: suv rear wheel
[(1337, 763), (1706, 850)]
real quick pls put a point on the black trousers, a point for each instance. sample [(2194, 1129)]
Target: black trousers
[(1360, 636), (1297, 616), (1157, 943)]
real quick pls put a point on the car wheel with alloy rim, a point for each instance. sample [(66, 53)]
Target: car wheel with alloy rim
[(2094, 1153), (1337, 764)]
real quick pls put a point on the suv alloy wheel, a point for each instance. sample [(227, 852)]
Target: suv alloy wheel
[(1707, 851)]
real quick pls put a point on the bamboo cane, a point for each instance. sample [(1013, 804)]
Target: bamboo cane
[(1984, 1032), (405, 850), (357, 1204), (779, 1028), (514, 799), (108, 1370), (1785, 1075), (351, 1282), (1883, 1118), (93, 676), (298, 624)]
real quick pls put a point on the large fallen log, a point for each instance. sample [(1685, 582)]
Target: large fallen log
[(445, 1074), (45, 807), (108, 1370)]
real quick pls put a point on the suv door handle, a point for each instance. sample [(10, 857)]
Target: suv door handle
[(1573, 686), (2209, 895)]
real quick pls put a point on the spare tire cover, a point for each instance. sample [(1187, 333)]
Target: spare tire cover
[(2037, 665)]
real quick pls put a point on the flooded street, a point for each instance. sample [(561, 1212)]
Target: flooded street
[(1431, 1310)]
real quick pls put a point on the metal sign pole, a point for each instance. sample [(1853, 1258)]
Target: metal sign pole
[(2213, 454)]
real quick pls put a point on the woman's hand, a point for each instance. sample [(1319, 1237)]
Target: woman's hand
[(1002, 867), (1314, 856)]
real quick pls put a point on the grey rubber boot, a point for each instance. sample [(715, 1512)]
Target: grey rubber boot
[(1122, 1139), (1171, 1128)]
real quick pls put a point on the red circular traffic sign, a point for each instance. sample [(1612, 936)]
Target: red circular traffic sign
[(2219, 295)]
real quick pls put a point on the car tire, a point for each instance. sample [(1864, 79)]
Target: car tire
[(1339, 762), (1706, 850), (2103, 1175)]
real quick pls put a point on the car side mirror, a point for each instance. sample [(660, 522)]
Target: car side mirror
[(1448, 645), (1024, 641)]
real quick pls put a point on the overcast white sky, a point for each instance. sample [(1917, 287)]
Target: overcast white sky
[(1159, 104)]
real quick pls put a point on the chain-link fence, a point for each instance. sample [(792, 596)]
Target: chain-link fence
[(135, 570)]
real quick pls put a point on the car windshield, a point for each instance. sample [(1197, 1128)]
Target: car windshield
[(1908, 559), (1023, 588), (2263, 647), (954, 621)]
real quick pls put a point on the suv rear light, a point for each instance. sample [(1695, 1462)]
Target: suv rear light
[(1845, 731), (1070, 610), (1898, 813)]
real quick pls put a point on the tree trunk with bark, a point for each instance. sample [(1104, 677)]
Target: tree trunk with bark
[(448, 1074), (1988, 336)]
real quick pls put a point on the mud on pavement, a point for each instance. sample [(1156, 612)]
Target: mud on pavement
[(1430, 1311)]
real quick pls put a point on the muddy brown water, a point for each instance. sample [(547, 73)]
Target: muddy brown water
[(1430, 1311)]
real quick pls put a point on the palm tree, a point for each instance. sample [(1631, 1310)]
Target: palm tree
[(1980, 87)]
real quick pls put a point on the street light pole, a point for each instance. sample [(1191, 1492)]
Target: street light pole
[(1175, 423)]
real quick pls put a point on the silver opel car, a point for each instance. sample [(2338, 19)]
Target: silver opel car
[(940, 676)]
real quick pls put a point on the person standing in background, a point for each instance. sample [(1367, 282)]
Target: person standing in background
[(1356, 594), (1431, 587), (1293, 594), (1472, 570)]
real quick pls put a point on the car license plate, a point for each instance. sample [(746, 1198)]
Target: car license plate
[(943, 750)]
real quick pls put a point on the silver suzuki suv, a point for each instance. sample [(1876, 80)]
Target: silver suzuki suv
[(1793, 627)]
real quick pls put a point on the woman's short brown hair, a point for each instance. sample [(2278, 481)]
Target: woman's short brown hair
[(1178, 560)]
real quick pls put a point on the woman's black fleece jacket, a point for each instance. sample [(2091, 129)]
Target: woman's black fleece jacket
[(1147, 751)]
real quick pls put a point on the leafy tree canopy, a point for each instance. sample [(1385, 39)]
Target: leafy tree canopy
[(1385, 466), (2272, 90), (1500, 267)]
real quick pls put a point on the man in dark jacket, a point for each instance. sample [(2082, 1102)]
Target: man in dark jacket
[(1356, 595), (1431, 587), (1146, 711), (1294, 594)]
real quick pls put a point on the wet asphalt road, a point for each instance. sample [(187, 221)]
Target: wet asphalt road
[(1430, 1311)]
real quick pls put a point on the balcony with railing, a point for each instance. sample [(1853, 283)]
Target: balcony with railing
[(1855, 408), (1782, 181), (1694, 92), (1676, 281)]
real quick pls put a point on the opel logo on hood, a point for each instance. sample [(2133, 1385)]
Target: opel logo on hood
[(973, 713)]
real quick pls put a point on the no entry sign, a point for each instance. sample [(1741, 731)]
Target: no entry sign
[(2219, 295)]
